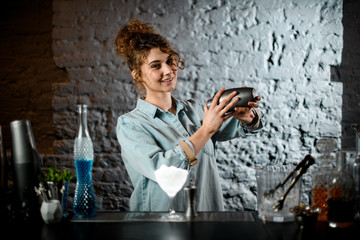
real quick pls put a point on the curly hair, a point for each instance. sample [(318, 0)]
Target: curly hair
[(134, 42)]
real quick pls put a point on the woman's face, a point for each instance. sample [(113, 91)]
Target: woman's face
[(158, 72)]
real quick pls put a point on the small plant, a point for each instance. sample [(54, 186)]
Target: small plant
[(53, 175), (50, 181)]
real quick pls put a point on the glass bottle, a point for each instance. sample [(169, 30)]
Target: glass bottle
[(84, 200), (3, 177), (320, 176), (355, 170), (341, 195)]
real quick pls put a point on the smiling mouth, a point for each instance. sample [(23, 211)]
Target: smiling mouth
[(167, 80)]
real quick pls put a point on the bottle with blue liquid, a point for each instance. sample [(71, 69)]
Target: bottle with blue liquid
[(85, 199)]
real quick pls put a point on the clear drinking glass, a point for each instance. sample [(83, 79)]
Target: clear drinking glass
[(171, 180), (267, 177)]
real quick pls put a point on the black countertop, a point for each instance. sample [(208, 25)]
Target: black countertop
[(208, 225)]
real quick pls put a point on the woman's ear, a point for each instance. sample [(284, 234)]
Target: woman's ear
[(134, 74)]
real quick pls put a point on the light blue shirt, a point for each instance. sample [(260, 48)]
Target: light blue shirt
[(149, 137)]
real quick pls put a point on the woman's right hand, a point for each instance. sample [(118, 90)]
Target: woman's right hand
[(215, 115)]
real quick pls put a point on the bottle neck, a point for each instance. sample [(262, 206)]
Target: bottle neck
[(326, 162), (340, 161), (82, 122)]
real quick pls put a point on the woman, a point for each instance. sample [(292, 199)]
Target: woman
[(164, 130)]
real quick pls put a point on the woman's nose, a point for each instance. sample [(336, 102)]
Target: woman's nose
[(167, 69)]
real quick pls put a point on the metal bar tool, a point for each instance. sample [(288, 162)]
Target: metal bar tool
[(190, 195), (308, 161)]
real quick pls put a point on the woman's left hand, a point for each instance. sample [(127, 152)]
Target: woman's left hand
[(245, 114)]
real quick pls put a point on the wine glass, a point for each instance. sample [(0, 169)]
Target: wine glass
[(171, 180)]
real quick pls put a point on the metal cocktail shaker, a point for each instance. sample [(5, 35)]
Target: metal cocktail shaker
[(190, 195), (25, 157), (244, 94)]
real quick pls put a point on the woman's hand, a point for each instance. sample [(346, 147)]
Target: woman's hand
[(215, 115), (245, 114)]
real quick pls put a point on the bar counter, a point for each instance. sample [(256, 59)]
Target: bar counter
[(207, 225)]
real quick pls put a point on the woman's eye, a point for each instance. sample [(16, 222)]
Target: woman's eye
[(155, 66)]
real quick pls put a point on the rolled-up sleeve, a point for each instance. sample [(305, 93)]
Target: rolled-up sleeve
[(189, 151), (257, 122), (233, 128)]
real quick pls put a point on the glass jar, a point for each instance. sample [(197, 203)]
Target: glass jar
[(341, 195), (320, 176)]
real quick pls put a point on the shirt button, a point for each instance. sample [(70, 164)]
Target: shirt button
[(185, 134)]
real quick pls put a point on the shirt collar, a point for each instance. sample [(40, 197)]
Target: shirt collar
[(152, 110)]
